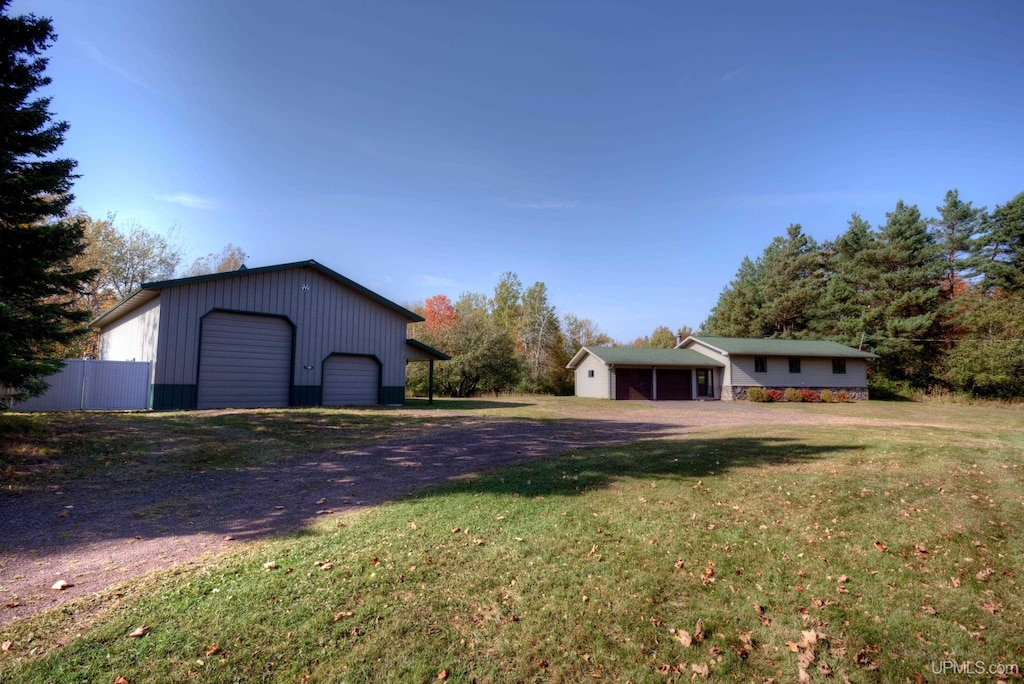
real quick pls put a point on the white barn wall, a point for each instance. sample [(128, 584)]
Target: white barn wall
[(134, 337)]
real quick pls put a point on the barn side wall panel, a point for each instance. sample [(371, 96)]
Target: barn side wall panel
[(329, 318)]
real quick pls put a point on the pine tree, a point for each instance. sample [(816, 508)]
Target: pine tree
[(850, 277), (791, 282), (38, 240), (955, 233), (901, 316), (1001, 249)]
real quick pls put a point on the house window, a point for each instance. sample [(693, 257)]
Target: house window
[(838, 366), (590, 373), (794, 364), (760, 364)]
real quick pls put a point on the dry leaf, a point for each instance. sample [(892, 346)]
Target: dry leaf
[(270, 566), (843, 579), (327, 566), (759, 609), (683, 637), (826, 669), (928, 609), (213, 649), (805, 658), (698, 631), (343, 614), (121, 680), (6, 646), (990, 607), (139, 631), (985, 574), (955, 581), (700, 670), (881, 547), (810, 637), (442, 675), (803, 677), (793, 646), (60, 585)]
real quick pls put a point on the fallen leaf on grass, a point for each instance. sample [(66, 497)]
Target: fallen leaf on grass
[(805, 658), (803, 677), (138, 632), (990, 607), (700, 670), (843, 579), (955, 582), (213, 649), (826, 669), (698, 631), (928, 609), (881, 547), (442, 675), (270, 566), (121, 680), (327, 566), (343, 614), (683, 637), (985, 574), (6, 646)]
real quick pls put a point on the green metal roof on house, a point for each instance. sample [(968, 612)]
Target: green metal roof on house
[(629, 356), (777, 347)]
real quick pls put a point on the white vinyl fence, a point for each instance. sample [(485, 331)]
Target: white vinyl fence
[(86, 385)]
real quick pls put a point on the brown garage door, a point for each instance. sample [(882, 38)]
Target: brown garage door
[(674, 384), (633, 383)]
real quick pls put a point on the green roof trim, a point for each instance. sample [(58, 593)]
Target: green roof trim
[(244, 271), (427, 349), (771, 346), (630, 356)]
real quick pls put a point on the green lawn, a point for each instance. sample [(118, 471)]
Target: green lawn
[(873, 553)]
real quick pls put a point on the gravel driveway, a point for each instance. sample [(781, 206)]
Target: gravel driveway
[(94, 536)]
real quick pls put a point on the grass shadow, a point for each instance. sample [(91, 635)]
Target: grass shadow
[(576, 473), (463, 404)]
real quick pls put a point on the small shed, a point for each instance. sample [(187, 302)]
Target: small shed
[(651, 374), (296, 334)]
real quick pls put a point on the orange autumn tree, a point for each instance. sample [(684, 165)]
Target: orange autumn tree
[(439, 313)]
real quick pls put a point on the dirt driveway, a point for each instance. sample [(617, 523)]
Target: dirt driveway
[(94, 536)]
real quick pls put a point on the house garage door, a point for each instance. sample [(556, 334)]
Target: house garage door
[(674, 384), (244, 361), (633, 383), (351, 381)]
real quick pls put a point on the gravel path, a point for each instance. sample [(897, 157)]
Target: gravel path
[(94, 535)]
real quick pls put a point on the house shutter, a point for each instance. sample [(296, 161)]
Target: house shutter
[(244, 361), (351, 381)]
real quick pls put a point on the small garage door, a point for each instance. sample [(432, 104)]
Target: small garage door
[(244, 361), (633, 383), (674, 384), (351, 381)]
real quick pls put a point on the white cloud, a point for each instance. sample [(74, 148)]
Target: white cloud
[(98, 56), (542, 204), (435, 282), (732, 74), (187, 200)]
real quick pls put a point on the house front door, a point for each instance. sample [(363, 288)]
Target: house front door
[(704, 382)]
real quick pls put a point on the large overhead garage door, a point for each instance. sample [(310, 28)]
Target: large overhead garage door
[(245, 361), (351, 381), (633, 383), (674, 384)]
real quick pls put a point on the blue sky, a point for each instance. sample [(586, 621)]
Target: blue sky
[(628, 154)]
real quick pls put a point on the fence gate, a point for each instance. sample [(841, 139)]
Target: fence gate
[(87, 385)]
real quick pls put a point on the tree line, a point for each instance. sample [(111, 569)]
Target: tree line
[(513, 340), (940, 299)]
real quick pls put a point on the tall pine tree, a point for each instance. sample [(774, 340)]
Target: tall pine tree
[(1001, 249), (901, 318), (37, 238)]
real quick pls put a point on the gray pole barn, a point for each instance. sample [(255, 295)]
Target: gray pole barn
[(296, 334)]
